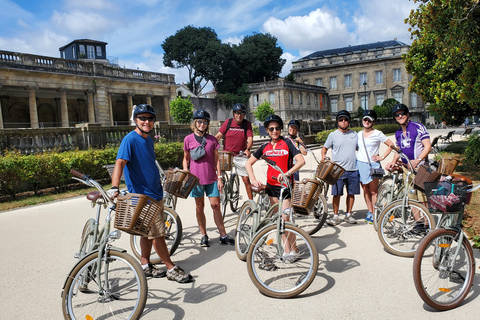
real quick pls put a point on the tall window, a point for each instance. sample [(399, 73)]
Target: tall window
[(378, 77), (255, 100), (348, 80), (290, 97), (333, 82), (90, 52), (73, 52), (334, 104), (398, 96), (319, 82), (271, 97), (99, 51), (397, 75), (413, 100), (81, 51), (300, 100), (363, 78), (364, 102), (379, 98), (308, 98), (349, 103)]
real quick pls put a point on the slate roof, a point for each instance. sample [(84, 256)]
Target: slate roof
[(83, 41)]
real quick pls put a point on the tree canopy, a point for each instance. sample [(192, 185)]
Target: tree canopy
[(263, 111), (181, 110), (444, 57)]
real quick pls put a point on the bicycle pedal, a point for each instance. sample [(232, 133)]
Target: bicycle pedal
[(77, 255)]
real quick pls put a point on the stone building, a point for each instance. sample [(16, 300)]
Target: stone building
[(362, 75)]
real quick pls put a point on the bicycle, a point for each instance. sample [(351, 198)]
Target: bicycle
[(106, 281), (404, 222), (282, 259), (231, 184), (444, 264)]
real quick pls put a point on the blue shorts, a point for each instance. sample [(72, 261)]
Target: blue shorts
[(348, 179), (210, 190), (364, 171)]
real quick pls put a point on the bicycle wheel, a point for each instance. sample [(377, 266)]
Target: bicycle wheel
[(244, 230), (314, 221), (442, 277), (86, 245), (274, 273), (173, 236), (123, 293), (224, 194), (234, 192), (170, 200), (402, 229)]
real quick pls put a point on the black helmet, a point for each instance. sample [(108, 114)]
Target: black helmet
[(271, 118), (294, 122), (143, 108), (343, 113), (239, 107), (399, 107), (201, 114), (371, 114)]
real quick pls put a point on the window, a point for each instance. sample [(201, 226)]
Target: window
[(398, 96), (290, 97), (348, 80), (397, 75), (413, 100), (308, 98), (363, 78), (315, 98), (334, 104), (73, 52), (300, 98), (318, 82), (378, 77), (255, 100), (349, 104), (333, 82), (271, 97), (99, 51), (364, 102), (81, 51), (379, 98), (90, 52)]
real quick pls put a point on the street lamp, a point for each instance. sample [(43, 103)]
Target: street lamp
[(365, 94)]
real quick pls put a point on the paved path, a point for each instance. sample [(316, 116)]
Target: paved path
[(357, 278)]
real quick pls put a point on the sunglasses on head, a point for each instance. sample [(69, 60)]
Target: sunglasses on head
[(274, 128), (239, 112), (400, 114), (151, 119), (205, 122)]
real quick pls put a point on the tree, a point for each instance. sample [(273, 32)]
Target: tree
[(181, 110), (358, 113), (444, 57), (263, 110), (381, 111)]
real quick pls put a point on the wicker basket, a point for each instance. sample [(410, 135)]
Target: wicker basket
[(225, 158), (329, 171), (136, 213), (447, 165), (446, 196), (305, 193), (425, 174), (180, 183)]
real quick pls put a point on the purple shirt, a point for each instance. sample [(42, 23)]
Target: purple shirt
[(411, 142), (204, 168)]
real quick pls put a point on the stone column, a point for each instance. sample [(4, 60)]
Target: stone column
[(32, 102), (64, 107), (130, 104), (149, 99), (90, 106), (110, 107), (166, 103)]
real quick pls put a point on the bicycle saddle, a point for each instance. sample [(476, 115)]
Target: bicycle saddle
[(94, 196), (263, 188)]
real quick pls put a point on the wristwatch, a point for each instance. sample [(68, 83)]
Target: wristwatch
[(248, 149)]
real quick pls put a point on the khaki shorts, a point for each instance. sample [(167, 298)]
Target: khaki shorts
[(418, 195), (158, 227), (239, 163)]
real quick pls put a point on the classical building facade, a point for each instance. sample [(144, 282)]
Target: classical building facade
[(362, 75)]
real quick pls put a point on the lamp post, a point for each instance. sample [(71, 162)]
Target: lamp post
[(365, 94)]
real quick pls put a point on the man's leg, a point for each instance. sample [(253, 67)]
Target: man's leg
[(146, 249), (161, 248)]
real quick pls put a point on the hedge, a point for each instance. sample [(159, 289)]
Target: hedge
[(385, 128)]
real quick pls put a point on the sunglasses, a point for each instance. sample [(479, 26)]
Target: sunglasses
[(151, 119), (343, 120), (367, 120), (274, 128), (205, 122), (239, 113), (396, 115)]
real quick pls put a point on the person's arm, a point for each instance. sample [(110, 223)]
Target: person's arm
[(186, 160), (219, 136), (427, 147), (219, 170), (251, 175), (300, 163), (323, 153), (117, 175), (389, 144)]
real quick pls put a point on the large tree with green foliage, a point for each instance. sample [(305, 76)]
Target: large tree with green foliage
[(444, 57)]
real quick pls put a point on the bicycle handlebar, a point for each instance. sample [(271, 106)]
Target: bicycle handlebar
[(404, 156), (86, 179)]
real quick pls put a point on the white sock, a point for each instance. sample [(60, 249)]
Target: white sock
[(335, 215), (145, 266), (348, 214), (172, 268)]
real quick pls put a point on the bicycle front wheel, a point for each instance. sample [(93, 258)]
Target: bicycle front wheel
[(314, 221), (173, 236), (384, 190), (285, 268), (234, 192), (224, 194), (244, 231), (442, 276), (401, 229), (121, 292)]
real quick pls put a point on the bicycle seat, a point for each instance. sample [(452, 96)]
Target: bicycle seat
[(396, 168), (94, 196), (262, 189), (458, 178)]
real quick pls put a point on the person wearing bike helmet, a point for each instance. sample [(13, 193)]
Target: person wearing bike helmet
[(343, 143), (238, 137), (206, 166), (293, 129), (369, 141), (136, 159)]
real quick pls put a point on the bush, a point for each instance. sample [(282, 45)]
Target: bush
[(256, 130), (472, 152), (385, 128)]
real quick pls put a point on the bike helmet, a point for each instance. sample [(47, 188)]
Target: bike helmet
[(294, 122), (271, 118), (143, 108), (399, 107), (370, 114), (201, 114), (240, 107), (343, 113)]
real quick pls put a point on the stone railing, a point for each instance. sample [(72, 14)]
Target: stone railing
[(18, 60)]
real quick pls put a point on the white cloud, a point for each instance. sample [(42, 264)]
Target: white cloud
[(233, 40), (288, 64), (90, 4), (84, 24)]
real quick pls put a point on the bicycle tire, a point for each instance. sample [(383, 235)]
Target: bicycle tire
[(173, 236), (85, 245), (170, 200), (234, 192), (271, 273), (224, 194), (403, 239), (127, 280), (244, 229), (314, 221), (438, 285), (382, 199)]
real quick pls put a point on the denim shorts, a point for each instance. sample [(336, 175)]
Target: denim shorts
[(364, 170), (350, 180), (210, 190)]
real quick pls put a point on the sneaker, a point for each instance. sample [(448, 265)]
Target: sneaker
[(420, 229), (333, 221), (154, 272), (350, 219), (290, 257), (369, 218), (177, 274), (227, 240), (204, 241)]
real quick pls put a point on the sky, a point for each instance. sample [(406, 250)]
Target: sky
[(136, 29)]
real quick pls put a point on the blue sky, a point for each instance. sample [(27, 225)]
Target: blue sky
[(135, 29)]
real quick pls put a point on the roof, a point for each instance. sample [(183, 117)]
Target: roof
[(83, 41), (356, 48)]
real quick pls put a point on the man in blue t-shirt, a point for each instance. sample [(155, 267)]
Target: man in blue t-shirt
[(136, 158)]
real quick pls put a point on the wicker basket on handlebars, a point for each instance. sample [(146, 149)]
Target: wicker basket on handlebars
[(180, 183), (447, 165), (135, 213), (305, 193), (329, 171), (425, 174), (225, 158)]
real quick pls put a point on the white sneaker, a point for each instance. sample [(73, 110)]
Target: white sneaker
[(350, 219), (290, 257), (333, 221)]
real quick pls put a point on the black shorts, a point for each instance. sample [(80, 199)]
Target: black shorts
[(274, 191)]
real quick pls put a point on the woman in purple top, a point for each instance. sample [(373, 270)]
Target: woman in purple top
[(207, 168)]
